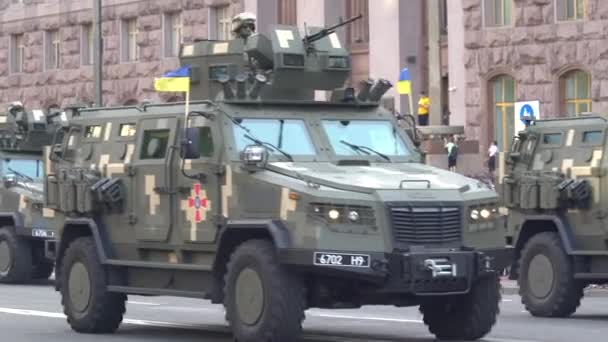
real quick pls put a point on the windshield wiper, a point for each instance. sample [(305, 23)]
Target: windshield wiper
[(272, 147), (363, 148), (20, 174)]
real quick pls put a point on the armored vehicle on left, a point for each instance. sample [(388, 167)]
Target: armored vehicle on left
[(23, 220)]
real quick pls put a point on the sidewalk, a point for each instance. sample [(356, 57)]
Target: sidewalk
[(509, 287)]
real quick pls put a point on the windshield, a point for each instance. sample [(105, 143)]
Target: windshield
[(28, 167), (290, 136), (379, 135)]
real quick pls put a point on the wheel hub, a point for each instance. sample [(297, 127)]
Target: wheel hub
[(249, 296), (79, 287), (541, 276), (5, 257)]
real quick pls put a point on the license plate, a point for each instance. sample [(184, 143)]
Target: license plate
[(341, 259), (43, 233)]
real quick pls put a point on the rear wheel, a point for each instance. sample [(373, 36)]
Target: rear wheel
[(15, 257), (89, 306), (263, 301), (546, 278), (464, 317)]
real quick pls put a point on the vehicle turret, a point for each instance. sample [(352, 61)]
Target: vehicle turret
[(28, 130), (283, 66)]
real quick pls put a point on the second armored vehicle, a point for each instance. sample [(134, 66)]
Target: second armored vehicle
[(24, 223), (265, 198), (555, 190)]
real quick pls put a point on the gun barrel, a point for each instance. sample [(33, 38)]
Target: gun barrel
[(329, 30)]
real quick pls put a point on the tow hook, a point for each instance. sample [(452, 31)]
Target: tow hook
[(440, 267)]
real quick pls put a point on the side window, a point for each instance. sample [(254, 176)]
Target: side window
[(593, 137), (205, 144), (126, 130), (154, 144), (552, 139), (93, 131)]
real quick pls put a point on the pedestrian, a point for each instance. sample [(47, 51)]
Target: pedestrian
[(492, 151), (452, 149), (423, 109)]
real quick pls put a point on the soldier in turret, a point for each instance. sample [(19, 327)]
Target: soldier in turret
[(243, 25)]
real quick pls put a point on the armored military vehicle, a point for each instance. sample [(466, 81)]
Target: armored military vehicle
[(555, 191), (24, 225), (264, 197)]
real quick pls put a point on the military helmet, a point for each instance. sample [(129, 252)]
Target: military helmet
[(241, 20)]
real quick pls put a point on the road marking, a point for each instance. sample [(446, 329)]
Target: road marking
[(143, 303), (366, 318)]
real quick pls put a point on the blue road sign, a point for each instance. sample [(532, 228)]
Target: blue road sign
[(526, 110)]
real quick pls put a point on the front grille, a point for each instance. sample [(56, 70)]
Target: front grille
[(426, 225)]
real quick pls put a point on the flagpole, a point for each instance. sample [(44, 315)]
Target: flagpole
[(409, 97), (187, 108)]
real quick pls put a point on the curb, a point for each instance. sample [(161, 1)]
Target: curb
[(510, 288)]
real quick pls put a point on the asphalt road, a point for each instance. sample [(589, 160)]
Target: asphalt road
[(33, 313)]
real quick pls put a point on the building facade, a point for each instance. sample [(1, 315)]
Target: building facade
[(504, 51), (46, 46)]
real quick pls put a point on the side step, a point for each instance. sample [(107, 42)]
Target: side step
[(156, 292)]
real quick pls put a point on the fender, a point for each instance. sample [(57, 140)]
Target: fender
[(275, 228), (98, 232), (563, 229), (17, 219)]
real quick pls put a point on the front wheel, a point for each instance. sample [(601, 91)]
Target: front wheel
[(263, 301), (464, 317), (15, 257), (89, 306), (546, 278)]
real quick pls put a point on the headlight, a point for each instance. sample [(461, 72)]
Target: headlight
[(340, 214), (353, 216), (333, 214), (485, 213)]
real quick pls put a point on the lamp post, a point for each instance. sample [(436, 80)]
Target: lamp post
[(97, 52)]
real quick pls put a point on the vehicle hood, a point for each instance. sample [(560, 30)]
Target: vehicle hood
[(380, 176)]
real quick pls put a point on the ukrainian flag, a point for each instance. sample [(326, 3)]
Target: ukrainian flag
[(176, 80), (404, 85)]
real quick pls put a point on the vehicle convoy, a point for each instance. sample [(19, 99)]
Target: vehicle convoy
[(555, 190), (25, 226), (258, 196)]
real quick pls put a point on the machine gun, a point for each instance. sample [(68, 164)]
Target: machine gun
[(309, 39)]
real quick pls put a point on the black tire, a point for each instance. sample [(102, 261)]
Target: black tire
[(43, 270), (17, 259), (565, 293), (103, 311), (464, 317), (281, 309)]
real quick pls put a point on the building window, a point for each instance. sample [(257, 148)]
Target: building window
[(288, 12), (87, 45), (130, 49), (358, 31), (173, 34), (221, 23), (17, 53), (498, 12), (576, 92), (51, 49), (571, 9), (503, 105)]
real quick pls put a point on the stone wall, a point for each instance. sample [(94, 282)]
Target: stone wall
[(73, 82), (536, 50)]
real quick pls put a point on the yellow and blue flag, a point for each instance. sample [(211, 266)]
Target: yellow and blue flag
[(176, 80), (404, 85)]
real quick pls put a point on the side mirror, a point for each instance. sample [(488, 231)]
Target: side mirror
[(254, 155), (9, 180), (191, 143)]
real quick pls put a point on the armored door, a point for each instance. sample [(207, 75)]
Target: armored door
[(200, 182), (152, 174)]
